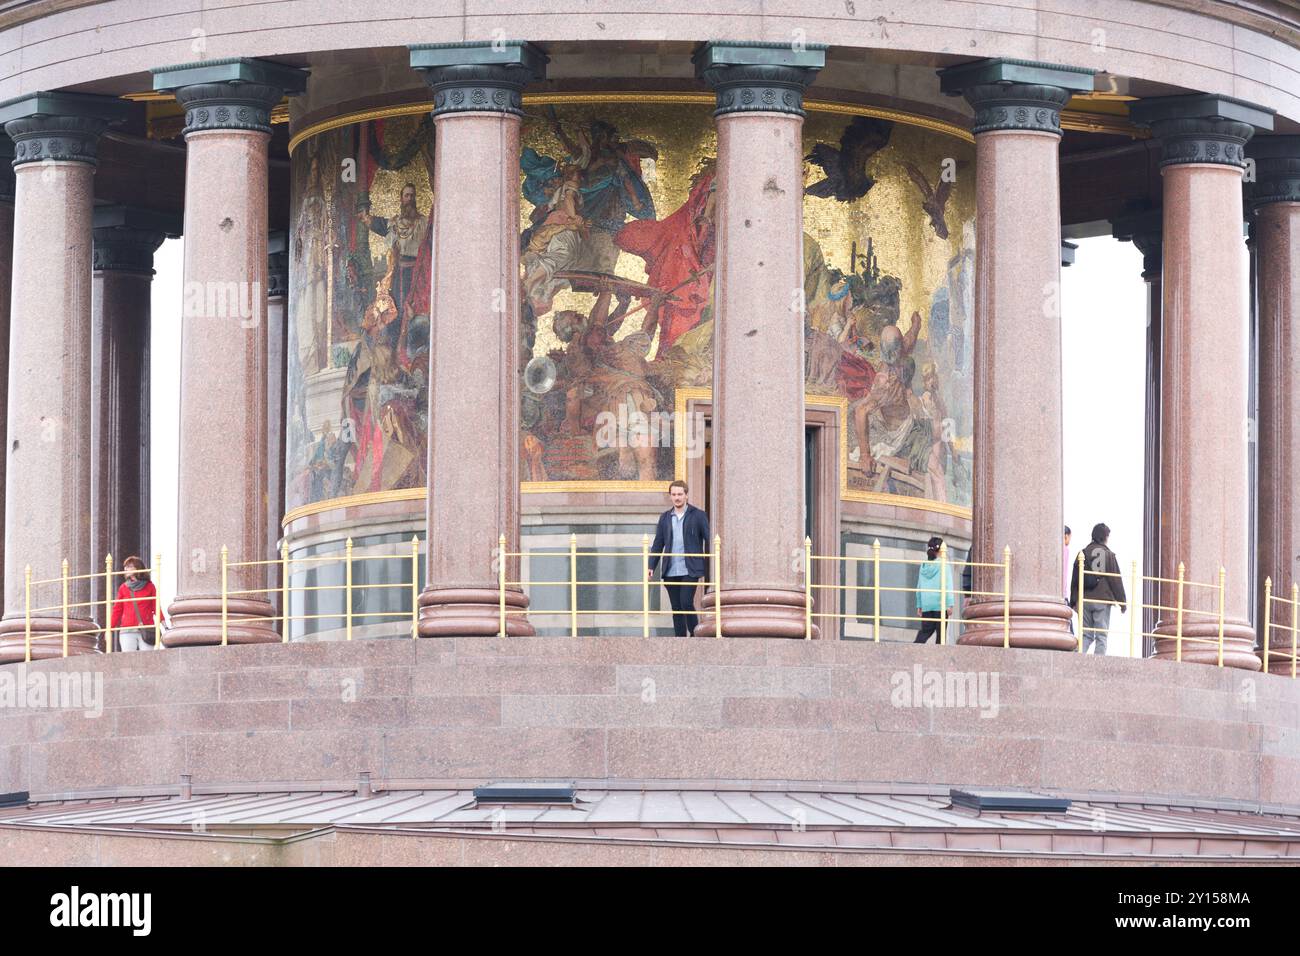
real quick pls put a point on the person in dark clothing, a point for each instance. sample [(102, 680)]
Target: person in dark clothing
[(681, 542), (1102, 585)]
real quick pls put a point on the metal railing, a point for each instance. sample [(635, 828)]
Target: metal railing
[(287, 566), (947, 595), (103, 631), (1182, 612), (572, 583), (1291, 633), (1280, 640)]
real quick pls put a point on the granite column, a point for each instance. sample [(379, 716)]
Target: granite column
[(473, 493), (1145, 230), (125, 241), (1275, 196), (48, 445), (6, 278), (224, 379), (277, 352), (1205, 424), (1018, 475), (758, 335)]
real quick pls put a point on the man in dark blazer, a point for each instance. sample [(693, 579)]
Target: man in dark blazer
[(683, 530)]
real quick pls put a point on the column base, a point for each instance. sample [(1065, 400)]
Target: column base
[(472, 612), (196, 621), (1041, 624), (756, 612), (47, 639), (1201, 644)]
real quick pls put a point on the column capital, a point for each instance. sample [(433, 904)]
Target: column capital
[(758, 76), (1201, 127), (1277, 170), (1019, 95), (60, 127), (277, 265), (126, 237), (229, 94), (1145, 229), (479, 76)]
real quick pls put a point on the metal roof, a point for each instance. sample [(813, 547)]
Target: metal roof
[(779, 819)]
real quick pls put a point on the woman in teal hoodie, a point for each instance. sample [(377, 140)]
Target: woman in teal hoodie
[(931, 594)]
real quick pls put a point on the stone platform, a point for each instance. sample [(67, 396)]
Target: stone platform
[(658, 713)]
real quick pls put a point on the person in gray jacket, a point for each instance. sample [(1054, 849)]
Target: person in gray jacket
[(1103, 586)]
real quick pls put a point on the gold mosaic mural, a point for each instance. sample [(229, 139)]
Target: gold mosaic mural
[(616, 268)]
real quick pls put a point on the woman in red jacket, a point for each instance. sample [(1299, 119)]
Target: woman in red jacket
[(135, 607)]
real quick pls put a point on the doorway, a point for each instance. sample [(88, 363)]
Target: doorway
[(821, 476)]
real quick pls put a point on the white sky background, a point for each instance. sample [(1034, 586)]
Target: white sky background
[(1103, 358), (164, 408), (1103, 305)]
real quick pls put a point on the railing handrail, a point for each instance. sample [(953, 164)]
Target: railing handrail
[(952, 597)]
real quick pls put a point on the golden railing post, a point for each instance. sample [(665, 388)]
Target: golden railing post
[(1268, 616), (1006, 596), (347, 589), (225, 598), (65, 607), (1222, 576), (108, 604), (875, 587), (1295, 606), (501, 578), (415, 587), (27, 614), (573, 585), (717, 586), (645, 585), (1178, 621), (807, 588), (943, 593), (1081, 599), (284, 592), (1134, 608), (157, 609)]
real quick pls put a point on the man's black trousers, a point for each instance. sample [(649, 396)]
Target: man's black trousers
[(681, 595)]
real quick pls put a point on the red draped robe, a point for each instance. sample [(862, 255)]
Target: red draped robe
[(673, 249)]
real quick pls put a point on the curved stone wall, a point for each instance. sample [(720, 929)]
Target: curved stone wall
[(681, 713), (1194, 44)]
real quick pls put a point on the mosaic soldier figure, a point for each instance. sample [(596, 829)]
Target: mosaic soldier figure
[(405, 234)]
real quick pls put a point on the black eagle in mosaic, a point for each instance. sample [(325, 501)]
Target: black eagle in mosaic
[(845, 167), (933, 198)]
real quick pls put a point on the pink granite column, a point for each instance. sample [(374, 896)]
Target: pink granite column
[(223, 414), (6, 277), (758, 382), (125, 241), (277, 331), (1204, 493), (473, 494), (48, 490), (1145, 231), (1018, 497), (1275, 196)]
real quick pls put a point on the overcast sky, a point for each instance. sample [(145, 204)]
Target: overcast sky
[(1103, 339), (1103, 352)]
